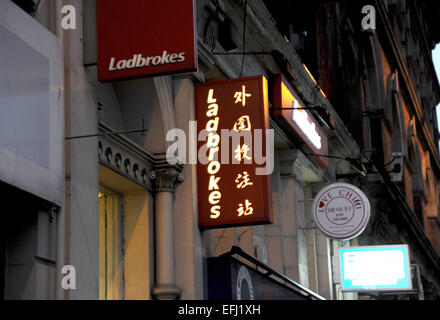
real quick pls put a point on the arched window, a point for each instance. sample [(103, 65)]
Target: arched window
[(416, 171), (394, 112), (351, 110), (413, 155), (429, 184), (375, 96), (373, 85)]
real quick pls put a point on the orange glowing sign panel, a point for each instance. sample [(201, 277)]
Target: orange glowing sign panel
[(232, 121), (299, 123)]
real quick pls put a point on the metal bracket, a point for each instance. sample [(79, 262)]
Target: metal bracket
[(304, 108), (105, 134)]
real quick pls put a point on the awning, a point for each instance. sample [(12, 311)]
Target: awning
[(247, 278)]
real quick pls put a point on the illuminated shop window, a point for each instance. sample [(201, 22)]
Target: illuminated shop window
[(110, 264)]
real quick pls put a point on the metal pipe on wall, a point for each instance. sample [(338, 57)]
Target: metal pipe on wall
[(63, 226)]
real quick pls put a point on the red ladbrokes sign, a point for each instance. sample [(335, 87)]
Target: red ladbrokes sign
[(232, 120), (138, 38)]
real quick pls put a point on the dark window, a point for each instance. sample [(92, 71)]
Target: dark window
[(27, 5)]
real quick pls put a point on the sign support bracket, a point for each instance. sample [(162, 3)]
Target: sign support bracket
[(106, 134)]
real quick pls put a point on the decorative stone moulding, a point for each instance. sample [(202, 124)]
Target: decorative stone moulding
[(126, 158)]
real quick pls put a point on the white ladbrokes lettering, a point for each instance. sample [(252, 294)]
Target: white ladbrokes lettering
[(213, 166), (139, 62)]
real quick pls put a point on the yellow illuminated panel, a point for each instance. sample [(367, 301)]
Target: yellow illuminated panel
[(311, 76), (265, 94)]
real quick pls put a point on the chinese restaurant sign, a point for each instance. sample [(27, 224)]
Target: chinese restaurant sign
[(230, 192), (298, 122), (138, 38), (341, 211)]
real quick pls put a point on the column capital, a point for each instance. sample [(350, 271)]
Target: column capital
[(166, 179)]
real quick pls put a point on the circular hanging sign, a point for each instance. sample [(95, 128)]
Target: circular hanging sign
[(341, 211)]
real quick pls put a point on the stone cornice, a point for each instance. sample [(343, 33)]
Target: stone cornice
[(122, 155)]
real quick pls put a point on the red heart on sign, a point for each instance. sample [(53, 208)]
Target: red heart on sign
[(321, 204)]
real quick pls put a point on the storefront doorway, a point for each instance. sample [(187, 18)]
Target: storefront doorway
[(125, 238)]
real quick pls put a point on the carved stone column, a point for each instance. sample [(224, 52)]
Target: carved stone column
[(165, 181)]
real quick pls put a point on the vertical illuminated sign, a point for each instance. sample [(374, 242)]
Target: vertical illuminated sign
[(298, 122), (232, 119)]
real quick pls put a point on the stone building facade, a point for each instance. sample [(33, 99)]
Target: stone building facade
[(386, 92)]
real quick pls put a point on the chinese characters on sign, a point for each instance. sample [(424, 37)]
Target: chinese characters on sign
[(241, 96), (230, 191), (243, 180)]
